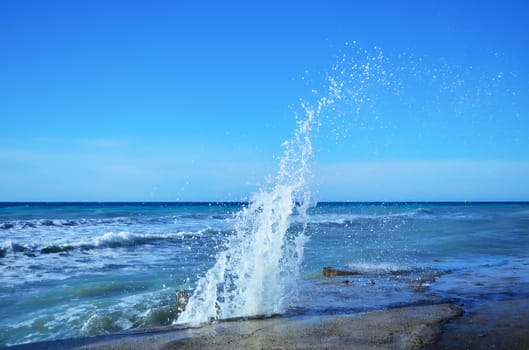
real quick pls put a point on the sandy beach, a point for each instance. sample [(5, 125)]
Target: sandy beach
[(491, 325)]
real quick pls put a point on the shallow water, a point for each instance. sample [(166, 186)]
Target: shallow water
[(70, 270)]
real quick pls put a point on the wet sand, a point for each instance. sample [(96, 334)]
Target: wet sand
[(490, 325)]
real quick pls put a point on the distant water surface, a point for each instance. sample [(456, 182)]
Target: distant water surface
[(80, 269)]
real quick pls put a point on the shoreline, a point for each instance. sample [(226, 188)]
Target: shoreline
[(491, 324)]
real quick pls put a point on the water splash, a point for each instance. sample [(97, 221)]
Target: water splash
[(257, 271), (254, 275)]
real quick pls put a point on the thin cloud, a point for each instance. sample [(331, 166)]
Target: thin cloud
[(424, 180)]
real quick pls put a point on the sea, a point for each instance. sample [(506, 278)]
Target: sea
[(71, 270)]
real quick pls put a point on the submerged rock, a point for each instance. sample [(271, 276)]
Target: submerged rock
[(331, 272)]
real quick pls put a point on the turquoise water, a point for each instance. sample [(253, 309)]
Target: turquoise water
[(80, 269)]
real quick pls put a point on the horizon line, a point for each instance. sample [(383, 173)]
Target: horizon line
[(201, 202)]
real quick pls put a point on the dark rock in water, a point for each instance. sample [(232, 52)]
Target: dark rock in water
[(182, 298), (56, 249), (331, 272), (6, 226), (18, 248)]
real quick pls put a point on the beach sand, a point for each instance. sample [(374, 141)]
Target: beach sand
[(490, 325)]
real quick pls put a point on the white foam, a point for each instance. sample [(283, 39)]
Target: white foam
[(6, 244), (383, 267), (114, 237)]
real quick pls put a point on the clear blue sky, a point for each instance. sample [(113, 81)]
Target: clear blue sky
[(191, 100)]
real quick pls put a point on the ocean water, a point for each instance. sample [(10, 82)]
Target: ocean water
[(82, 269)]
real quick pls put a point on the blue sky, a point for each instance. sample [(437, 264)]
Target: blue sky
[(191, 100)]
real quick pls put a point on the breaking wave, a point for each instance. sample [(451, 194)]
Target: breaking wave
[(115, 221), (120, 239)]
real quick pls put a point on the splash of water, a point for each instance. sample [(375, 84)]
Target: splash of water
[(256, 274)]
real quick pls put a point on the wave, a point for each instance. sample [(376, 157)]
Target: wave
[(383, 268), (120, 239), (315, 218), (202, 216), (128, 239), (8, 246), (521, 214), (46, 223), (17, 225), (355, 219), (424, 211)]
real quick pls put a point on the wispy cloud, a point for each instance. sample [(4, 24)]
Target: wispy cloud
[(425, 180), (98, 175)]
